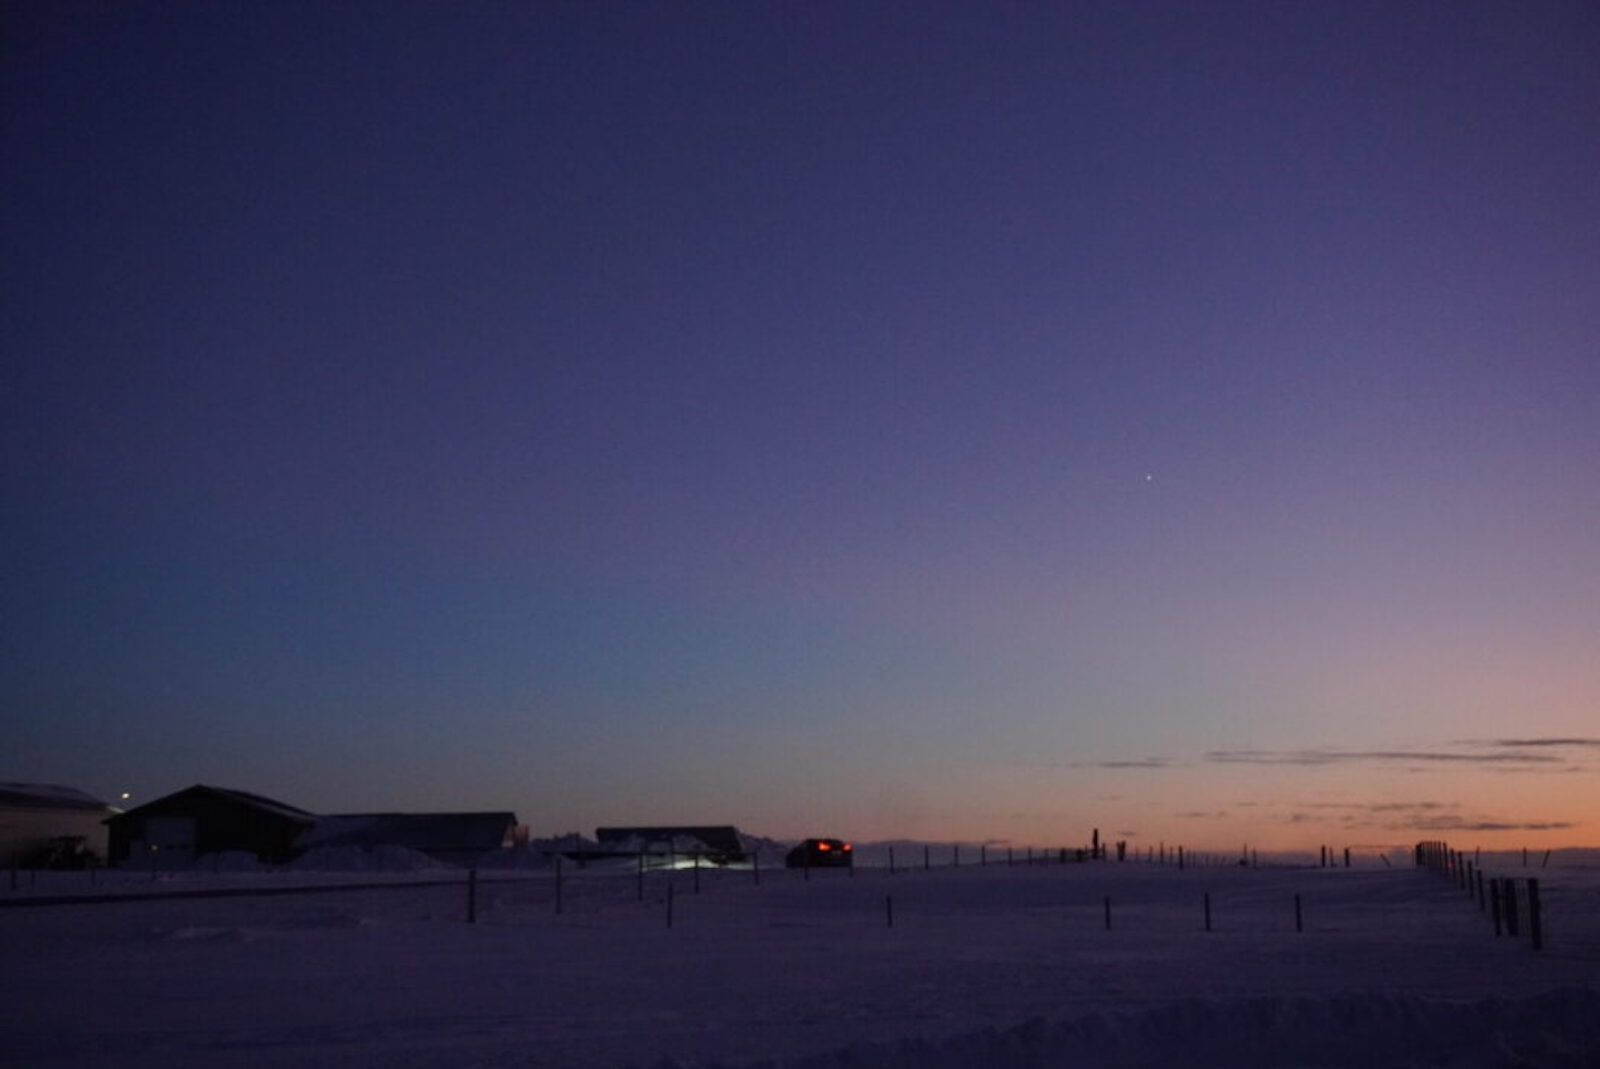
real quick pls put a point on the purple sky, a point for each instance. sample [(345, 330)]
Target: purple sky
[(889, 419)]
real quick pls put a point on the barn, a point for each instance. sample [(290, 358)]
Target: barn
[(46, 826), (177, 828), (458, 838)]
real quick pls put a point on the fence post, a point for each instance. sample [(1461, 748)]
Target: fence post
[(1535, 915), (1494, 905), (1508, 894)]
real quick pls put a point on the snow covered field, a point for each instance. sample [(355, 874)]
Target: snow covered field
[(998, 965)]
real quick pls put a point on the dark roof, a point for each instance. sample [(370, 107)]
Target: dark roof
[(418, 831), (49, 796), (714, 836), (254, 801)]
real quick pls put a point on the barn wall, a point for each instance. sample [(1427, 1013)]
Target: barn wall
[(220, 824)]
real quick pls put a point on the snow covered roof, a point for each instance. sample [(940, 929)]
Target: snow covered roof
[(254, 801), (48, 796)]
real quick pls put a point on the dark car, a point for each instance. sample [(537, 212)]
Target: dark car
[(821, 854)]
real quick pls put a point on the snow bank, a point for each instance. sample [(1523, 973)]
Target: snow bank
[(361, 859), (517, 858)]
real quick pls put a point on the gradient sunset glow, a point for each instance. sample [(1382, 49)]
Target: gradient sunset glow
[(953, 422)]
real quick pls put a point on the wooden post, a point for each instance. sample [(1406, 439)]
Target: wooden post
[(1180, 859), (1483, 901), (1347, 857), (1208, 910), (1108, 913), (1494, 905), (1535, 915), (983, 855), (472, 896), (1546, 862), (1508, 900), (1299, 924)]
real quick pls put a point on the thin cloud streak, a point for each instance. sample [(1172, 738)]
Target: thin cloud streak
[(1318, 757), (1530, 743), (1396, 816)]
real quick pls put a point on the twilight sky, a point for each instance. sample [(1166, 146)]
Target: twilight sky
[(925, 419)]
